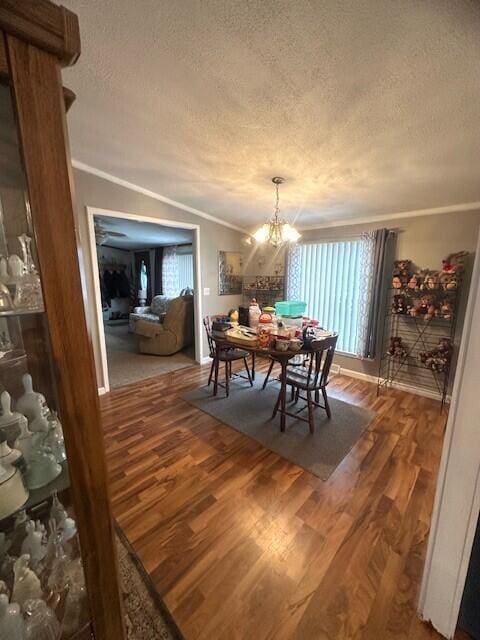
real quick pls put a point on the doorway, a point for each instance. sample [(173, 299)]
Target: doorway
[(146, 279)]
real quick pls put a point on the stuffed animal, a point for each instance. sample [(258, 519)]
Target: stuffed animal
[(438, 359), (454, 262), (414, 282), (399, 304), (396, 349), (445, 310), (424, 306), (430, 281), (401, 273), (414, 307), (449, 281)]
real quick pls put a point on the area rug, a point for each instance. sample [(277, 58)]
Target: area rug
[(146, 616), (249, 411)]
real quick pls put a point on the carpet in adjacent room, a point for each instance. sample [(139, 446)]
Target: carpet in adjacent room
[(127, 365)]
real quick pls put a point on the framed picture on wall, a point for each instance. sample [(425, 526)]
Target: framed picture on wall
[(230, 278)]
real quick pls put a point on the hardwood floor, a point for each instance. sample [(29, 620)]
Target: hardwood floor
[(243, 545)]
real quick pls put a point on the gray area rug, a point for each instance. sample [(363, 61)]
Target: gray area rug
[(127, 365), (249, 411), (146, 617)]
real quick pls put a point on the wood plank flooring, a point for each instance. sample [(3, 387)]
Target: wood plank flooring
[(243, 545)]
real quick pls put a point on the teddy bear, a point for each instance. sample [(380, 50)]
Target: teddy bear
[(401, 273), (396, 349), (430, 281), (445, 310), (424, 306), (414, 282), (399, 304), (438, 359), (449, 281)]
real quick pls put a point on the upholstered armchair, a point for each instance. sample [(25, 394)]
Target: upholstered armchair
[(155, 312), (175, 333)]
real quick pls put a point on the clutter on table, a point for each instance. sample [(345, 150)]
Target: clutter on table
[(283, 328)]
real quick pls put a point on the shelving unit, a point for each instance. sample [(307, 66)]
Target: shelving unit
[(43, 328), (418, 334), (266, 289)]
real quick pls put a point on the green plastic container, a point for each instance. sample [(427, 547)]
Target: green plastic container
[(292, 308)]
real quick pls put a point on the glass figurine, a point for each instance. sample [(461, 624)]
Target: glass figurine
[(26, 584), (40, 621)]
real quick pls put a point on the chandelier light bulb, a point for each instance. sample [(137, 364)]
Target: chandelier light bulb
[(261, 234)]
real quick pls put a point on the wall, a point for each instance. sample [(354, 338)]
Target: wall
[(93, 191), (264, 261), (457, 495), (425, 240)]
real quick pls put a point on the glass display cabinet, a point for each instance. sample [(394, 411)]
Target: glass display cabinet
[(58, 574)]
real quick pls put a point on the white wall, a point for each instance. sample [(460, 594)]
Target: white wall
[(457, 498)]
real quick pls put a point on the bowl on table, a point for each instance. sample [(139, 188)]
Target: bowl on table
[(295, 344), (282, 344)]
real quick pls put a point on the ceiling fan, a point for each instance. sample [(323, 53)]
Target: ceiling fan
[(102, 234)]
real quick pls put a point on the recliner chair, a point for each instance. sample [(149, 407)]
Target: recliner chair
[(176, 332)]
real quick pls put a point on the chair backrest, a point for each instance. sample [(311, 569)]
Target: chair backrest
[(159, 304), (179, 317), (207, 323), (322, 357)]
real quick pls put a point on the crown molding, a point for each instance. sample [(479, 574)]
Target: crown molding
[(152, 194), (454, 208)]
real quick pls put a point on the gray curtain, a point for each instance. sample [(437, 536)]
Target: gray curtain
[(158, 280), (378, 291)]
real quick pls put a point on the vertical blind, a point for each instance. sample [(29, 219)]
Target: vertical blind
[(185, 271), (329, 281)]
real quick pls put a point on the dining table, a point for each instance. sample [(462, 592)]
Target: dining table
[(282, 357)]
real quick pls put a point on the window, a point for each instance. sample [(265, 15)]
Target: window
[(185, 271), (177, 271), (328, 277)]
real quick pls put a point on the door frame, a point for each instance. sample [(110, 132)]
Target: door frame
[(457, 497), (98, 316)]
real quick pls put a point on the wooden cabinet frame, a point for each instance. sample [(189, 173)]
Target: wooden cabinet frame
[(38, 38)]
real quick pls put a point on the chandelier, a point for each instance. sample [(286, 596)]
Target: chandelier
[(276, 232)]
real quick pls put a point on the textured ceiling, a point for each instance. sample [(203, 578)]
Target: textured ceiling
[(367, 107), (141, 235)]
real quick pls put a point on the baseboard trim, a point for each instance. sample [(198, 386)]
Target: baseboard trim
[(205, 360), (102, 391), (426, 393)]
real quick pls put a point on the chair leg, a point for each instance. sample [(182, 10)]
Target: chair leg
[(215, 383), (277, 404), (292, 394), (253, 365), (211, 373), (227, 378), (317, 396), (327, 406), (268, 374), (311, 418), (248, 372), (297, 395)]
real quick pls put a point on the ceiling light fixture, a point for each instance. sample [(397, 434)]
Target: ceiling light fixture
[(276, 232)]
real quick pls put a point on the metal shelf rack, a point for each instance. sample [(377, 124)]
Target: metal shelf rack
[(418, 335)]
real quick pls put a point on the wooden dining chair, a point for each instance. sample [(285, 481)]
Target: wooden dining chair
[(297, 361), (313, 380), (226, 355)]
